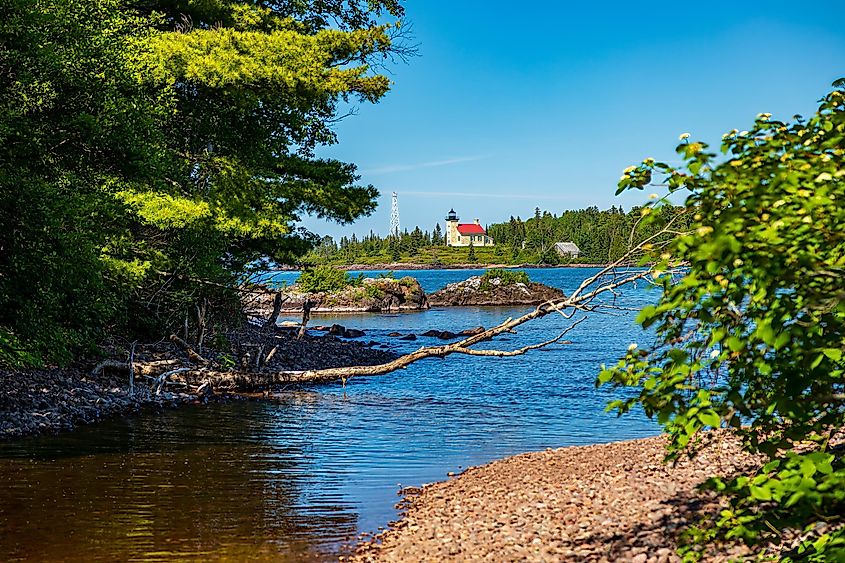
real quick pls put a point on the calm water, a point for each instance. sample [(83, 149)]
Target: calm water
[(298, 477)]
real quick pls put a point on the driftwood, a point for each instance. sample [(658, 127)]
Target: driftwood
[(306, 316), (132, 369), (161, 380), (141, 368), (278, 299), (192, 354)]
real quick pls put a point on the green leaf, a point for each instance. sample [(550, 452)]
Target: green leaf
[(710, 418), (834, 354)]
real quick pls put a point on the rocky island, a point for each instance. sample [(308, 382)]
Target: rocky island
[(497, 287), (329, 290)]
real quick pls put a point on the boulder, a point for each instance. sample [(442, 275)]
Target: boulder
[(409, 337), (472, 331), (442, 334), (337, 330), (477, 291)]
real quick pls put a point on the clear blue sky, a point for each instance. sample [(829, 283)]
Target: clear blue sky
[(510, 107)]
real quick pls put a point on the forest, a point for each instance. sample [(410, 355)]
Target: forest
[(153, 151), (602, 237)]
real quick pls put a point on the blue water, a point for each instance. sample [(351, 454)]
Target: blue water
[(300, 475)]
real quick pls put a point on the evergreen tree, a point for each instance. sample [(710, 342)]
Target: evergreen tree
[(138, 154), (437, 236)]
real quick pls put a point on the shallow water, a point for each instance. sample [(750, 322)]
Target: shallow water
[(298, 477)]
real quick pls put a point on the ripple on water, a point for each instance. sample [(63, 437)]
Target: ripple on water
[(295, 477)]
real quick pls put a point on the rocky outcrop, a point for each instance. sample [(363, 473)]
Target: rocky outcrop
[(481, 291), (371, 295)]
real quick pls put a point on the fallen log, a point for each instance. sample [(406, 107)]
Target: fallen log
[(192, 354), (153, 367)]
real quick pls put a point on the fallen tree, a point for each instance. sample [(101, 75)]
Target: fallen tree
[(595, 294), (590, 296)]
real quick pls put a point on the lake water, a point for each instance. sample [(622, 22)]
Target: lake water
[(298, 477)]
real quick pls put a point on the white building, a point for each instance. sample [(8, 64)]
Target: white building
[(465, 234)]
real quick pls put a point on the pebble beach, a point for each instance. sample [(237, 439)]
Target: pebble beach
[(604, 503)]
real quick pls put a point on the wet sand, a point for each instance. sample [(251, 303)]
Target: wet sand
[(611, 502)]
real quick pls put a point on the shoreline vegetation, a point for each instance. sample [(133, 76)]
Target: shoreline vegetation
[(410, 266), (601, 237)]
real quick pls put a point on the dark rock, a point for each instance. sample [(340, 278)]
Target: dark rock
[(472, 331), (337, 330), (442, 334), (354, 333), (409, 337), (394, 334)]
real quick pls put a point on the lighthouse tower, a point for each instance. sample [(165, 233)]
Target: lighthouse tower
[(453, 237)]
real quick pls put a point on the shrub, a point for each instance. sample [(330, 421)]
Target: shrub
[(374, 291), (505, 277), (752, 337), (323, 279)]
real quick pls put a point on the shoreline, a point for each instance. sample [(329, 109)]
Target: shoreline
[(409, 266), (54, 399), (606, 502)]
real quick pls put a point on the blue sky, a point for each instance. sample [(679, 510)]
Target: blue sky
[(510, 107)]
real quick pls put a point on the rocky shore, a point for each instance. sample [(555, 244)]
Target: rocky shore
[(52, 400), (604, 503), (372, 295)]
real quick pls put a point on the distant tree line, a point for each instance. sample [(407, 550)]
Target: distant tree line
[(602, 236)]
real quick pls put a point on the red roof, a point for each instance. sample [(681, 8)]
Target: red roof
[(471, 229)]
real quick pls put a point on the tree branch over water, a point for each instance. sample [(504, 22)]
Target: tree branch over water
[(587, 298)]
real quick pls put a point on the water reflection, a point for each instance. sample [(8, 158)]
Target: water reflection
[(296, 477), (181, 485)]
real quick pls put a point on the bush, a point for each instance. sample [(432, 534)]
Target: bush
[(505, 277), (752, 337), (324, 279)]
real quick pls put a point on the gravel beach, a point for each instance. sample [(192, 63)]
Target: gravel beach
[(611, 502)]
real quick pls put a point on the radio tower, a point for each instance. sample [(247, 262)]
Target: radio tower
[(394, 217)]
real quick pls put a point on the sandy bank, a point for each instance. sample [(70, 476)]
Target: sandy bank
[(612, 502)]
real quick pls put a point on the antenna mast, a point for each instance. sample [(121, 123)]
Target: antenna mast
[(394, 217)]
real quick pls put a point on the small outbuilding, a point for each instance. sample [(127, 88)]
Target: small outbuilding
[(567, 249)]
